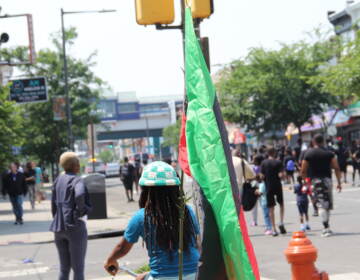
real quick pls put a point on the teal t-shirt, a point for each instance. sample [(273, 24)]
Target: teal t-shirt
[(160, 263), (38, 174)]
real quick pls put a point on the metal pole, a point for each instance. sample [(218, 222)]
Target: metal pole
[(92, 146), (147, 134), (66, 86)]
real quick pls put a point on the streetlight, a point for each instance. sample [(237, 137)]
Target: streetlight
[(68, 105)]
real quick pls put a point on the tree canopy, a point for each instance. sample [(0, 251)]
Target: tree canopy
[(269, 89), (45, 137), (10, 128)]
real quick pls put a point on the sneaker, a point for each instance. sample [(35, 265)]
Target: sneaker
[(16, 223), (274, 234), (303, 228), (308, 227), (268, 232), (316, 214), (326, 233), (21, 222), (282, 229)]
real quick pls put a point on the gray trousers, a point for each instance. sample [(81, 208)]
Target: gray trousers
[(71, 246)]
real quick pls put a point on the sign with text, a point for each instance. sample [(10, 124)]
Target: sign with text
[(28, 90)]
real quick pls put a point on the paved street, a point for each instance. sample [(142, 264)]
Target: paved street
[(338, 255)]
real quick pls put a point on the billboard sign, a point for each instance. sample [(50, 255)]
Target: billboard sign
[(28, 90)]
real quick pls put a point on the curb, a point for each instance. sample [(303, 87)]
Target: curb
[(100, 235)]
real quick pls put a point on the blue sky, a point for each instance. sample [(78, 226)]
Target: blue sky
[(141, 59)]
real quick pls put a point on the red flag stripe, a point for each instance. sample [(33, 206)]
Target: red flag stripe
[(183, 155), (248, 245)]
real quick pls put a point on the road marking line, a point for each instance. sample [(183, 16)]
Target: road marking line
[(346, 276), (24, 272)]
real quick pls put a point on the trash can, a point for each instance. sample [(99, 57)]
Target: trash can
[(95, 184)]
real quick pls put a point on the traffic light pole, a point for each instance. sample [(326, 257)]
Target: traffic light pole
[(204, 42)]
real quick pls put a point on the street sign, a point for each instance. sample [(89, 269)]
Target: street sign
[(28, 90)]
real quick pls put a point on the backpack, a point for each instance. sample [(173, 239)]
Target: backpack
[(248, 196), (290, 165)]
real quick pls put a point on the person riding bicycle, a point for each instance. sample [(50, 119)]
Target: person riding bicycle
[(157, 222)]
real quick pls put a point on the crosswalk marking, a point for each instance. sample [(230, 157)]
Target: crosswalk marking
[(343, 276), (24, 272)]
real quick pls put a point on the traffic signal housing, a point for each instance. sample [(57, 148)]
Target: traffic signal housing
[(155, 12), (202, 8)]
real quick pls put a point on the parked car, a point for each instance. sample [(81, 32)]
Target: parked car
[(99, 167), (112, 169)]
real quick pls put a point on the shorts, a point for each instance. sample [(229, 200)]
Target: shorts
[(290, 172), (303, 208), (274, 195), (128, 184), (343, 167), (323, 193)]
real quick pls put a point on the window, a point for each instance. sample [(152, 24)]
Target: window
[(107, 109), (154, 108), (127, 108)]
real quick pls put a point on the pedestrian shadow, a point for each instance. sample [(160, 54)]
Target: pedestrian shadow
[(346, 233), (26, 211), (29, 226)]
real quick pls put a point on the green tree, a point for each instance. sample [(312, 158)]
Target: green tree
[(341, 76), (10, 128), (171, 135), (46, 138), (271, 88), (106, 156)]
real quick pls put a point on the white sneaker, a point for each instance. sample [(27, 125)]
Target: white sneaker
[(326, 233)]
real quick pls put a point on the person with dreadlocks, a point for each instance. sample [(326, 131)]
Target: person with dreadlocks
[(157, 222)]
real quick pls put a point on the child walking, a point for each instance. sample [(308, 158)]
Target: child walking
[(263, 204), (302, 192)]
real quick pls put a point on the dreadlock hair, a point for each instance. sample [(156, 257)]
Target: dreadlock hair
[(161, 223)]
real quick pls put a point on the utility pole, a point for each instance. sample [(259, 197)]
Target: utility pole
[(65, 69), (66, 85)]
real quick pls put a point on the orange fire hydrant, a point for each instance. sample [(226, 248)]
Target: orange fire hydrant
[(302, 254)]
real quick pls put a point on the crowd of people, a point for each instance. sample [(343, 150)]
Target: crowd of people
[(18, 182), (308, 171)]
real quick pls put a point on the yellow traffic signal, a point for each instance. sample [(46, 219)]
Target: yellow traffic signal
[(201, 8), (155, 11)]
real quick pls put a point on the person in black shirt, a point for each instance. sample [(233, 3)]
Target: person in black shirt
[(30, 175), (342, 156), (320, 161), (14, 185), (355, 159), (127, 176), (272, 170)]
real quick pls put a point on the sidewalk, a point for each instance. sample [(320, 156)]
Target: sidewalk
[(36, 223)]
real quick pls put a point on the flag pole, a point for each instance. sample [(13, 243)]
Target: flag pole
[(182, 193)]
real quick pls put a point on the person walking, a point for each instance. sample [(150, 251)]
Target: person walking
[(38, 182), (157, 222), (263, 204), (69, 206), (302, 201), (317, 164), (127, 176), (272, 172), (30, 181), (14, 184), (342, 156), (355, 158), (290, 166), (244, 172)]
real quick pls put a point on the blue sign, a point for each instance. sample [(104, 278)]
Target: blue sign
[(28, 90)]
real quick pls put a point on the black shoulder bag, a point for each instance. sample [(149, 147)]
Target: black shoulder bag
[(249, 197)]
